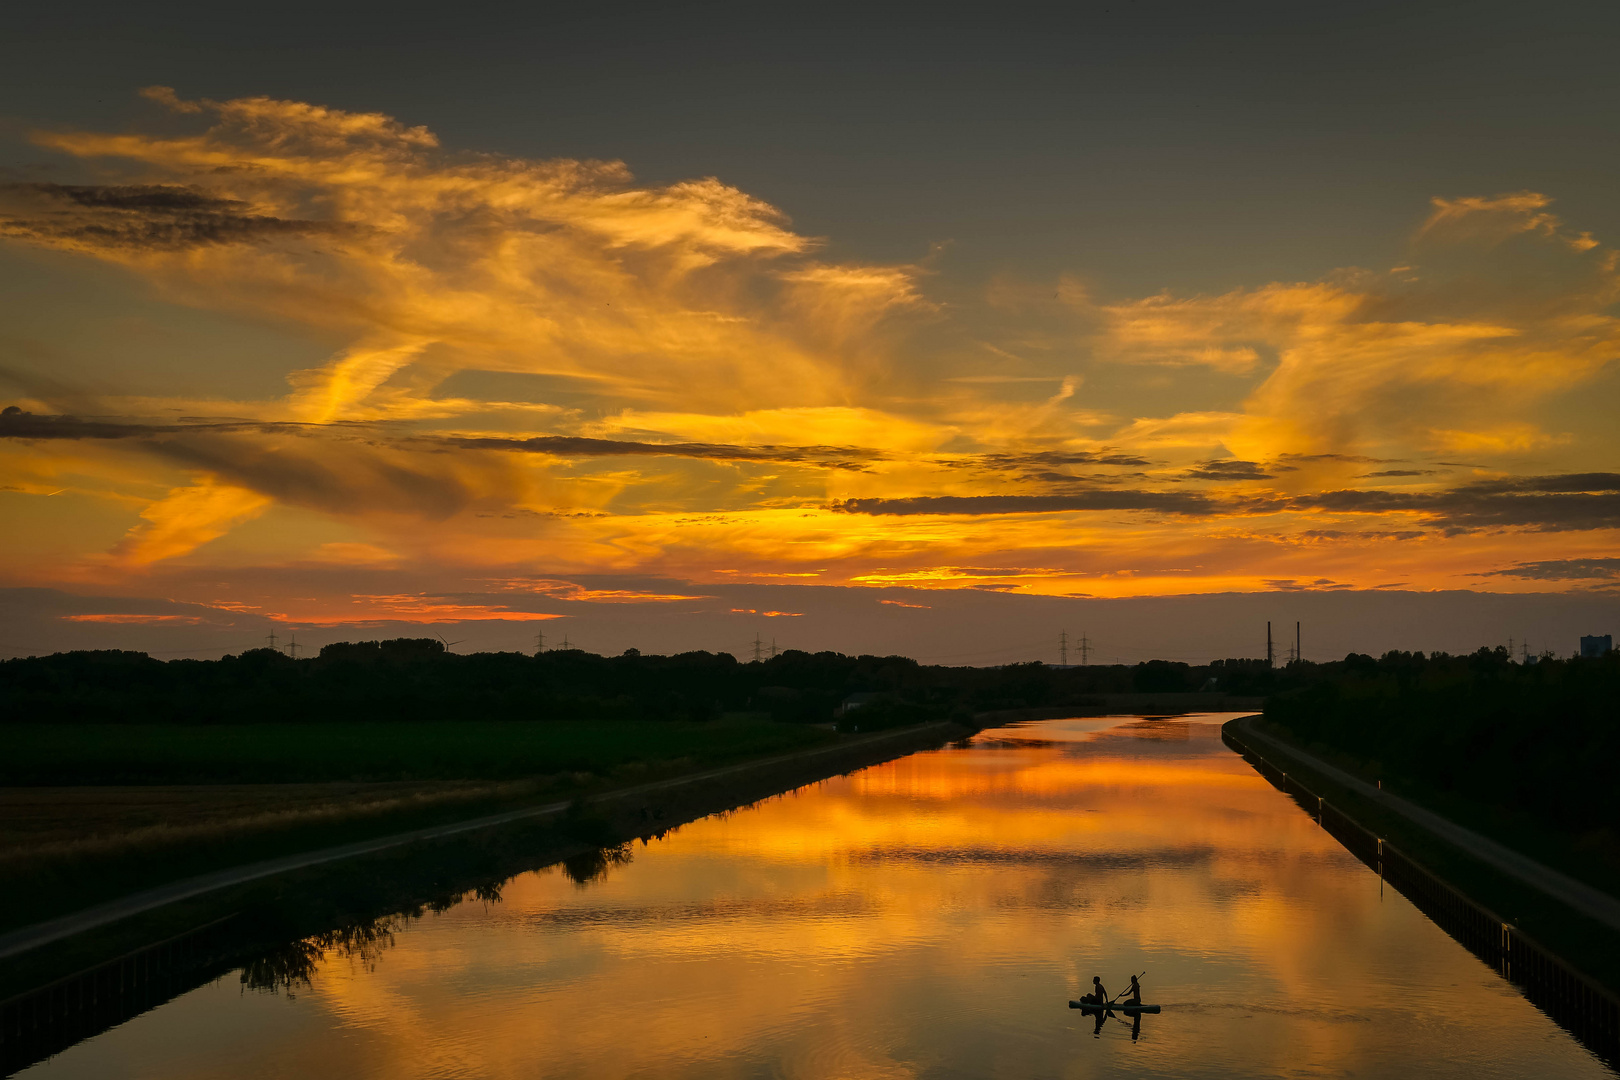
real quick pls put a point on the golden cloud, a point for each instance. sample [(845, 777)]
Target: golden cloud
[(712, 395)]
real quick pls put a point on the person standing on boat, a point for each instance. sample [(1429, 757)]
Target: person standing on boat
[(1098, 994), (1134, 994)]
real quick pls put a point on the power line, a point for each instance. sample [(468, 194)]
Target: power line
[(759, 648), (1034, 648), (1063, 648)]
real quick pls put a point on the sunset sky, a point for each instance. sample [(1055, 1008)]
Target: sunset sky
[(563, 321)]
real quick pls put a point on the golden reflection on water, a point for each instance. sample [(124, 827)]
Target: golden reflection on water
[(926, 918)]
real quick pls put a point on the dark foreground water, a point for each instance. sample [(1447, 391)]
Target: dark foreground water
[(926, 918)]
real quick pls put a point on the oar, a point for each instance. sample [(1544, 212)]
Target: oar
[(1121, 993)]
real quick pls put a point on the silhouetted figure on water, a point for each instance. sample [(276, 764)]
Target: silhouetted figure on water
[(1099, 996), (1133, 996)]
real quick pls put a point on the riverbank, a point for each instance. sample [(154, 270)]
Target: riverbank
[(1569, 919), (312, 891), (148, 804)]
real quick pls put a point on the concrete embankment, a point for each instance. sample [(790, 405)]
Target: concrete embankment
[(124, 957), (624, 813), (1566, 969), (1593, 903)]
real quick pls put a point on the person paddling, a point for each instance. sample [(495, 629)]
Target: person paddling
[(1133, 996), (1098, 994)]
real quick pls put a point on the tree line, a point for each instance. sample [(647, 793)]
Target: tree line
[(419, 679), (1538, 738)]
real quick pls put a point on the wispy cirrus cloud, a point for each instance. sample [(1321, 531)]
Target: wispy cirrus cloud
[(436, 263), (703, 389)]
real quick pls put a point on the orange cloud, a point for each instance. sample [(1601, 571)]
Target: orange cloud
[(411, 609), (187, 518), (545, 368), (568, 590), (180, 620)]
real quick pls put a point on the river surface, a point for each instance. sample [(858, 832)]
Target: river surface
[(930, 917)]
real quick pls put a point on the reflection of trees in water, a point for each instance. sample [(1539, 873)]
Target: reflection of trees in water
[(594, 865), (292, 966)]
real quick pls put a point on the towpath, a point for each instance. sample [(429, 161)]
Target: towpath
[(1591, 902), (32, 937)]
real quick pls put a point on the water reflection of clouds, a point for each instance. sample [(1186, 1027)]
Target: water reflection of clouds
[(929, 917)]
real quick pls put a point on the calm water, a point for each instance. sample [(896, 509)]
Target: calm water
[(926, 918)]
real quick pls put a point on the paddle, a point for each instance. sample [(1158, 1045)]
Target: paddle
[(1122, 992)]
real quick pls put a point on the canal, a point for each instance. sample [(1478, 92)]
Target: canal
[(930, 917)]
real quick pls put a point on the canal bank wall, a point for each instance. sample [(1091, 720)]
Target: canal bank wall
[(1578, 1003), (237, 914)]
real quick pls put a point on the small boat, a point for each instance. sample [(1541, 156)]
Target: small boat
[(1094, 1007)]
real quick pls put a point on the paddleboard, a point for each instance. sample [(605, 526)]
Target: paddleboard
[(1087, 1006)]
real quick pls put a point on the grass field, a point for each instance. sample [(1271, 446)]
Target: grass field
[(127, 754), (92, 811)]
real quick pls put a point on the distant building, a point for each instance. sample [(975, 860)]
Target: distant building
[(859, 701), (1596, 644)]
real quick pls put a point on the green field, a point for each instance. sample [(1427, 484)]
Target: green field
[(94, 811), (69, 754)]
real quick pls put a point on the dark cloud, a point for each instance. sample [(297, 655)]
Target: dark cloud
[(375, 471), (1562, 483), (1070, 480), (305, 473), (146, 216), (1046, 458), (290, 462), (17, 424), (1230, 469), (1362, 534), (1396, 472), (1561, 570), (1319, 585), (832, 457), (1168, 502), (1569, 502), (1356, 459), (133, 197)]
